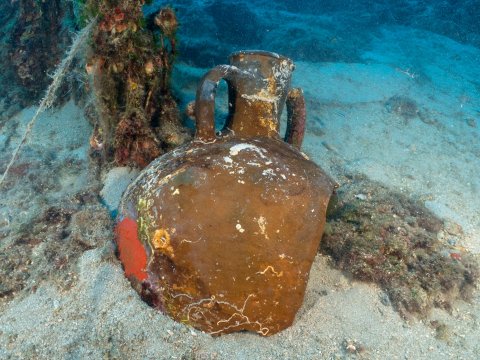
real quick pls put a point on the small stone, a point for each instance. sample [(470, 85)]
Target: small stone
[(384, 299), (441, 235), (471, 122), (115, 183), (351, 348), (453, 228), (452, 241), (354, 347), (361, 196), (442, 331)]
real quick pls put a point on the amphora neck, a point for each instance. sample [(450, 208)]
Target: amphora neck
[(257, 93)]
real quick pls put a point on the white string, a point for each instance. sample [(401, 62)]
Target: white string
[(49, 97)]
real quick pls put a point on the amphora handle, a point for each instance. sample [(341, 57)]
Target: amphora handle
[(296, 118), (205, 100)]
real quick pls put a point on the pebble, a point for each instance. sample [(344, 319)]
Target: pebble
[(361, 197), (384, 299), (452, 241), (351, 348), (471, 122), (453, 228)]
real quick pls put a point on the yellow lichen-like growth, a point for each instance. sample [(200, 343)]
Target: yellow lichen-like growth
[(132, 85), (161, 241), (144, 219)]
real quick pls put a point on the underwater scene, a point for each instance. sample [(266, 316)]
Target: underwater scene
[(233, 179)]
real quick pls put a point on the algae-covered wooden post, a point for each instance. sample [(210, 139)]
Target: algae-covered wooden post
[(130, 63)]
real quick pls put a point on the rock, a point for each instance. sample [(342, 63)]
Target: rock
[(402, 106), (471, 122), (115, 182)]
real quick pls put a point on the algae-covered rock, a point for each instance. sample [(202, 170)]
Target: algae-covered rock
[(385, 237)]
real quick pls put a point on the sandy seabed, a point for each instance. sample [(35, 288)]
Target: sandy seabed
[(430, 152)]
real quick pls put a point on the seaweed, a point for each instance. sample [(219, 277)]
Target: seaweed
[(381, 236)]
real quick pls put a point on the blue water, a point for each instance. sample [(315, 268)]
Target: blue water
[(319, 31)]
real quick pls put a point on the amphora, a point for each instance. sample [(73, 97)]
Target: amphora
[(221, 233)]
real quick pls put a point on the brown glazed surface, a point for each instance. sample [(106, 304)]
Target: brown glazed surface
[(231, 230)]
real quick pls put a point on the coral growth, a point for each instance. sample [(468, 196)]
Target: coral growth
[(384, 237), (131, 64)]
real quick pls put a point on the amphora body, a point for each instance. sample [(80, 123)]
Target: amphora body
[(221, 233)]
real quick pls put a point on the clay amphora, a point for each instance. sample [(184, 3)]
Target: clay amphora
[(221, 233)]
